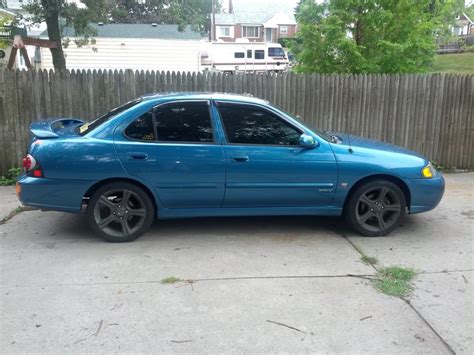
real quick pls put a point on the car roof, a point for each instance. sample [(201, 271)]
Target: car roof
[(247, 98)]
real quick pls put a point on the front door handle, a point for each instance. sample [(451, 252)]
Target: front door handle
[(138, 156), (241, 159)]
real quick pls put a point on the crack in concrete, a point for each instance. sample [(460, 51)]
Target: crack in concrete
[(444, 342), (237, 278), (15, 212)]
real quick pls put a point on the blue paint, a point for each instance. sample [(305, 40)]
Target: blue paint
[(217, 179)]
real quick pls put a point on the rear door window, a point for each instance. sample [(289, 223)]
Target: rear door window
[(184, 122), (142, 128)]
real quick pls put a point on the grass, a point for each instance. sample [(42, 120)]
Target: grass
[(170, 280), (459, 63), (395, 281), (369, 260)]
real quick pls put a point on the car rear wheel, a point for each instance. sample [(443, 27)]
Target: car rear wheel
[(376, 208), (120, 212)]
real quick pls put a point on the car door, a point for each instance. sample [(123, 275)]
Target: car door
[(173, 148), (265, 164)]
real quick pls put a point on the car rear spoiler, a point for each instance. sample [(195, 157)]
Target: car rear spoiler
[(50, 128)]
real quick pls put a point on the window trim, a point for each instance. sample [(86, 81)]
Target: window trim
[(260, 107), (156, 141)]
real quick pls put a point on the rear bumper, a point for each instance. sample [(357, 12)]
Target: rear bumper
[(52, 194), (425, 193)]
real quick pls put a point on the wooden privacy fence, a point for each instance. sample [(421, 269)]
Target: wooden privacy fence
[(431, 114)]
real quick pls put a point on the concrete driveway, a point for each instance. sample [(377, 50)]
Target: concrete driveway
[(279, 284)]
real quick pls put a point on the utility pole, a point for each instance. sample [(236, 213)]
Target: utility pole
[(213, 21)]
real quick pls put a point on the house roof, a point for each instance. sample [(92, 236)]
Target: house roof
[(257, 12), (120, 30)]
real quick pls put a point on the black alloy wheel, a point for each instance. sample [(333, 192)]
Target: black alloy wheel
[(376, 208), (120, 212)]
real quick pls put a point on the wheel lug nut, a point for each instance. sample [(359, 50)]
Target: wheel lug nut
[(371, 210), (126, 211), (122, 217), (113, 212)]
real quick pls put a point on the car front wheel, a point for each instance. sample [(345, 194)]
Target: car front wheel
[(120, 212), (375, 208)]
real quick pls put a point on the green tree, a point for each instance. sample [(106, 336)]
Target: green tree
[(369, 36), (60, 13)]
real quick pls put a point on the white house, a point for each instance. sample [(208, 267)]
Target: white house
[(131, 46)]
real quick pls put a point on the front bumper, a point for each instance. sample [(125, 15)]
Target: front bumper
[(52, 194), (425, 193)]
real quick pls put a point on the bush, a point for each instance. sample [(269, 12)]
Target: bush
[(10, 178)]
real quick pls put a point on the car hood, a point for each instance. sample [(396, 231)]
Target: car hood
[(366, 143)]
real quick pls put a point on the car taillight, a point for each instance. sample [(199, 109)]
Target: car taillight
[(29, 163), (31, 167)]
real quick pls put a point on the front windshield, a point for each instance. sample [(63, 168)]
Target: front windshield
[(320, 133), (87, 127), (275, 52)]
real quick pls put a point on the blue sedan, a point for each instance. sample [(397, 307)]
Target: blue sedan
[(195, 155)]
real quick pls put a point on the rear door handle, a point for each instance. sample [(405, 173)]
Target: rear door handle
[(241, 159), (137, 156)]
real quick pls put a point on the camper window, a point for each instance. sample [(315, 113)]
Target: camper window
[(249, 53), (239, 55), (259, 54), (275, 52)]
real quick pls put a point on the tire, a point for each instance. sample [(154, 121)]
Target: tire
[(376, 208), (116, 222)]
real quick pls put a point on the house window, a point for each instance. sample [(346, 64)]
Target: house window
[(224, 31), (283, 30), (251, 32), (259, 54), (239, 55)]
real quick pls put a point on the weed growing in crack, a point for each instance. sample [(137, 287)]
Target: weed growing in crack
[(170, 280), (395, 281), (369, 260)]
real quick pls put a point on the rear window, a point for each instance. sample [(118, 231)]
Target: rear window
[(87, 127)]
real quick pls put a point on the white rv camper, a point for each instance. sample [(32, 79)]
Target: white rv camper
[(234, 57)]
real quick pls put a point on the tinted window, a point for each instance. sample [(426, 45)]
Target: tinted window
[(184, 122), (239, 55), (141, 128), (249, 53), (275, 52), (259, 54), (251, 125)]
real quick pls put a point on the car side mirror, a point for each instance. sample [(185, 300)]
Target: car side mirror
[(308, 141)]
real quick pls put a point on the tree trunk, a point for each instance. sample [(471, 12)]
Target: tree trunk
[(51, 9)]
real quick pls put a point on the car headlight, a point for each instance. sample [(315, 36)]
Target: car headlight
[(428, 171)]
